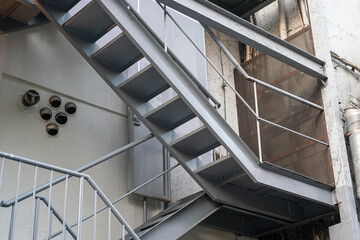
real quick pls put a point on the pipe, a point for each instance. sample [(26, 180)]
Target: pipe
[(77, 172), (282, 19), (353, 122)]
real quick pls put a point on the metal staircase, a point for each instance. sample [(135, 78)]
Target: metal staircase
[(239, 185)]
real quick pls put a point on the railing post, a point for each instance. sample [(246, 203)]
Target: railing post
[(257, 122), (65, 206), (165, 31), (95, 213), (33, 203), (109, 225), (36, 219), (13, 210), (2, 172), (49, 206), (81, 191)]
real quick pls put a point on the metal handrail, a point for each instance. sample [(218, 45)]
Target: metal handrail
[(122, 197), (81, 169), (249, 78), (68, 172)]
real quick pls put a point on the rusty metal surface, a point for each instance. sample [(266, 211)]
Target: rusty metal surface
[(281, 147)]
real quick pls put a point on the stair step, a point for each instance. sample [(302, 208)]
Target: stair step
[(119, 53), (90, 22), (64, 4), (145, 85), (219, 169), (197, 142), (171, 114)]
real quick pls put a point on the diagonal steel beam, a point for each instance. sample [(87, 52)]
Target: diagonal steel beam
[(247, 33)]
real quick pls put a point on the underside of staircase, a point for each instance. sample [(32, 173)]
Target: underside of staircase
[(241, 194)]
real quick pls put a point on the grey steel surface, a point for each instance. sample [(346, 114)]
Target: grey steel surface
[(91, 22), (259, 202), (171, 114), (119, 53), (65, 4), (183, 220), (247, 33), (220, 169), (145, 84), (197, 142)]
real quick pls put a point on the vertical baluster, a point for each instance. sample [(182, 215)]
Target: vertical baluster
[(95, 203), (257, 122), (36, 219), (165, 30), (109, 225), (51, 222), (123, 233), (13, 212), (65, 206), (49, 204), (81, 191), (33, 203), (2, 172)]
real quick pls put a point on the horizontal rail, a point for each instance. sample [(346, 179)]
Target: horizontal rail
[(122, 197), (249, 78), (215, 17)]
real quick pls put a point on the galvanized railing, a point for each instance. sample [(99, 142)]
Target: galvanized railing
[(82, 178), (255, 81)]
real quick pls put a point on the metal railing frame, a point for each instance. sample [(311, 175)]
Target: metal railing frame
[(122, 197), (81, 169), (69, 173), (247, 77)]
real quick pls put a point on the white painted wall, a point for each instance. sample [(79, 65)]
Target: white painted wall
[(41, 58)]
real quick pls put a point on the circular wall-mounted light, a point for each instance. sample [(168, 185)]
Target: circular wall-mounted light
[(61, 118), (30, 98), (70, 107), (55, 101), (52, 129), (45, 113)]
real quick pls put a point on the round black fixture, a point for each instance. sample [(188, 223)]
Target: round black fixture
[(70, 107), (30, 98), (55, 101), (61, 118), (52, 129), (45, 113)]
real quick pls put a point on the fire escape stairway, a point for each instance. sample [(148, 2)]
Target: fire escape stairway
[(247, 190)]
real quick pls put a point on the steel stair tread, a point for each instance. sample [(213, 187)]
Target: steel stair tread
[(90, 22), (220, 168), (196, 142), (119, 53), (145, 85), (64, 4), (171, 114)]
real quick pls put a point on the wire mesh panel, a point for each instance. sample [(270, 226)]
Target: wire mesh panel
[(279, 146)]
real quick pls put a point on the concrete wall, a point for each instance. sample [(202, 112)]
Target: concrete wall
[(40, 58)]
